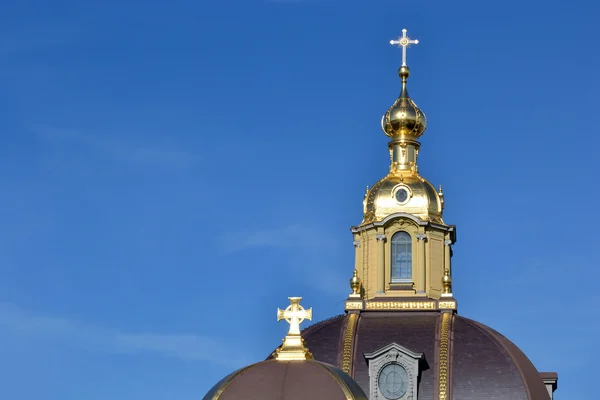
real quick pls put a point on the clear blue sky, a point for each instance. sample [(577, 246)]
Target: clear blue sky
[(172, 171)]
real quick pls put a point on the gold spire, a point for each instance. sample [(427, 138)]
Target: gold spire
[(293, 345), (404, 122), (403, 189), (355, 285)]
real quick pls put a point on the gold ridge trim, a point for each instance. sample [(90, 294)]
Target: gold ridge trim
[(342, 384), (226, 384), (444, 350), (348, 343)]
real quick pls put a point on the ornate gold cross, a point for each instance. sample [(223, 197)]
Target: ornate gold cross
[(404, 42), (294, 314), (293, 345)]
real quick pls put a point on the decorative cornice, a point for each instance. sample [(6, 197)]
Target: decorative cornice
[(447, 305), (400, 305), (348, 349), (380, 237), (418, 221), (354, 305), (393, 345), (384, 221)]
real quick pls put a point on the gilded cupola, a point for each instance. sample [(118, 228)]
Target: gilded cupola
[(403, 189), (404, 120)]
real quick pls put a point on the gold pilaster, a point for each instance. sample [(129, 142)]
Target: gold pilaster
[(380, 263), (427, 268), (448, 254), (422, 266), (357, 259), (447, 279)]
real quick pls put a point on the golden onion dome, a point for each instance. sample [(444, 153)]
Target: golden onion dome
[(404, 118), (411, 194)]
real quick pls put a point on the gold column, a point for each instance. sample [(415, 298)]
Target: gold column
[(447, 279), (447, 253), (380, 263), (422, 238), (357, 265)]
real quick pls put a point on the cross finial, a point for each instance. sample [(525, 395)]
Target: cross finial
[(293, 345), (294, 314), (404, 42)]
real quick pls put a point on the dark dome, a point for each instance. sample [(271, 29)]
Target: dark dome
[(482, 364), (287, 380)]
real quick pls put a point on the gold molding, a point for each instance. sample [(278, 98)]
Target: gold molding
[(447, 305), (354, 305), (351, 323), (444, 350), (401, 305)]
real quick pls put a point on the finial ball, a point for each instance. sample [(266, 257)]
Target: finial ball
[(404, 72)]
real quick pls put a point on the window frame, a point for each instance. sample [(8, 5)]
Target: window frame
[(409, 246)]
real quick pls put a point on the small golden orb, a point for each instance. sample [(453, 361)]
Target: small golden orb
[(404, 72)]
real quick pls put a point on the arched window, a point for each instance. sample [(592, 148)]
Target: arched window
[(401, 257)]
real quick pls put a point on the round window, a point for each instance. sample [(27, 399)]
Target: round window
[(393, 381)]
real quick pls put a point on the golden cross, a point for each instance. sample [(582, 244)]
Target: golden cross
[(404, 42), (294, 314)]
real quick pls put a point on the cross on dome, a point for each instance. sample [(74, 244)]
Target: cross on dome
[(404, 42), (293, 345), (294, 314)]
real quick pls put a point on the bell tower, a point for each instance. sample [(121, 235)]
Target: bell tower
[(403, 248)]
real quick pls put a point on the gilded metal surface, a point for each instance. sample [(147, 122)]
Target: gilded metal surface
[(401, 305), (424, 202), (404, 123), (447, 283), (404, 119), (444, 354), (354, 305), (447, 305), (293, 345), (355, 285), (351, 323)]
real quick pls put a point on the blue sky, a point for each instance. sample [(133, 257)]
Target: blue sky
[(173, 171)]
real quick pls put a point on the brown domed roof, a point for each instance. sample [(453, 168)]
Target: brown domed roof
[(287, 380), (481, 362)]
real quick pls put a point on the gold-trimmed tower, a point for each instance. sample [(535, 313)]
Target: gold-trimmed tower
[(402, 246), (401, 337)]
